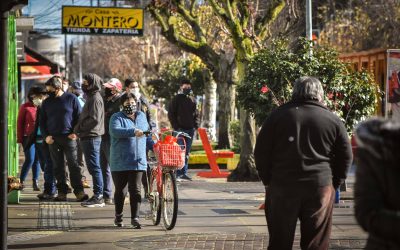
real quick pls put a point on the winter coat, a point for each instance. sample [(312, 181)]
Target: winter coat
[(377, 186), (183, 112), (128, 152), (111, 107), (26, 120), (91, 120), (303, 143)]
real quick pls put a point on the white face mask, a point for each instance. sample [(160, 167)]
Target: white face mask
[(136, 92), (65, 88), (37, 102)]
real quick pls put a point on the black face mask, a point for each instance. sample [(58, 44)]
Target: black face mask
[(187, 91), (51, 94), (129, 109), (85, 88), (108, 92)]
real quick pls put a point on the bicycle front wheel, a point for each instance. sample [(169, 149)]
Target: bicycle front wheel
[(170, 200)]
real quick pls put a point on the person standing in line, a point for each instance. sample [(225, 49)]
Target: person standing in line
[(112, 94), (128, 157), (377, 186), (76, 89), (302, 155), (184, 117), (89, 129), (25, 127), (59, 115)]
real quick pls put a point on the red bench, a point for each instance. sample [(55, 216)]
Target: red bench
[(212, 156)]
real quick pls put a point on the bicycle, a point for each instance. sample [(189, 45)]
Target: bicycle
[(162, 187)]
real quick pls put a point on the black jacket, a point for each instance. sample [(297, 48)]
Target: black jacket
[(377, 187), (111, 107), (183, 113), (91, 120), (302, 142)]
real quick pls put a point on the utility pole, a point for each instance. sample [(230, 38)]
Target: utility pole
[(308, 19)]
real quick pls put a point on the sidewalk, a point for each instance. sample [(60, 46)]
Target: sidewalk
[(213, 214)]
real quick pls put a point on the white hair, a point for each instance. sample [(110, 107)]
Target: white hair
[(308, 87)]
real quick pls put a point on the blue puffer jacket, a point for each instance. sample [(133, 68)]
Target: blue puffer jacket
[(127, 151)]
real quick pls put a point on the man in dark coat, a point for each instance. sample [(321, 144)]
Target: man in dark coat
[(302, 155), (184, 117), (377, 187)]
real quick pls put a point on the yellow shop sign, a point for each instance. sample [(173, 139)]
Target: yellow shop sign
[(102, 21)]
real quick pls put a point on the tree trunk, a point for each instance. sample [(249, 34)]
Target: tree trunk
[(246, 168), (210, 107)]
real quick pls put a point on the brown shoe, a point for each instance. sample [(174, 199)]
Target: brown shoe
[(81, 196), (85, 184), (61, 197)]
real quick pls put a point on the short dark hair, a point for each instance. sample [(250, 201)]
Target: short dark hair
[(185, 81), (36, 90), (55, 82), (128, 82), (127, 96)]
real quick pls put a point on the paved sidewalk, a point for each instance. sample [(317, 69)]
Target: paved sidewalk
[(213, 214)]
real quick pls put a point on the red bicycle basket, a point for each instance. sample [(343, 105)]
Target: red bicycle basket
[(170, 155)]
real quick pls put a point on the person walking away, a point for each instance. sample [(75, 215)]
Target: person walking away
[(25, 126), (128, 157), (112, 94), (184, 117), (377, 186), (59, 114), (76, 89), (89, 129), (302, 155)]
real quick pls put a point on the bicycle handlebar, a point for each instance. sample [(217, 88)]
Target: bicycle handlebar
[(178, 133)]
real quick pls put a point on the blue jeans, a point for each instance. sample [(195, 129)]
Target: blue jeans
[(42, 151), (31, 161), (105, 166), (91, 150), (62, 144), (189, 142)]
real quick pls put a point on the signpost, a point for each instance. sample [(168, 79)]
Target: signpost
[(102, 21)]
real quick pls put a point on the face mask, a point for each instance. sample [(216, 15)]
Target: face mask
[(108, 92), (85, 88), (129, 109), (37, 102), (65, 88), (187, 91), (51, 94), (135, 91)]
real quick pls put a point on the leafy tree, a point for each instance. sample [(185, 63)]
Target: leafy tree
[(269, 78), (247, 25)]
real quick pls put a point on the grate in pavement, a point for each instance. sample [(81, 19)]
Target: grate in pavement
[(253, 241), (229, 211), (54, 216)]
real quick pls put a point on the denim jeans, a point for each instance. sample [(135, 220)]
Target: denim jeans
[(43, 154), (105, 166), (91, 150), (31, 161), (62, 144), (189, 142)]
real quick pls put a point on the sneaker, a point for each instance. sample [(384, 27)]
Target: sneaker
[(45, 196), (108, 201), (61, 197), (81, 196), (118, 221), (136, 224), (85, 184), (185, 177), (94, 202)]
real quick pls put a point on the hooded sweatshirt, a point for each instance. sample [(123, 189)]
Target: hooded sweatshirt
[(91, 120)]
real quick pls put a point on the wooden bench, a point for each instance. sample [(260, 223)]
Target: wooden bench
[(212, 156)]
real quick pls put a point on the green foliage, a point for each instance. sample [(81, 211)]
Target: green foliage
[(234, 131), (173, 72), (271, 72)]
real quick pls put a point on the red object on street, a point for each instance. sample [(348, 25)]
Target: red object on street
[(212, 156)]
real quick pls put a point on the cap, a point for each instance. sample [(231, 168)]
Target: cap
[(113, 83), (76, 85)]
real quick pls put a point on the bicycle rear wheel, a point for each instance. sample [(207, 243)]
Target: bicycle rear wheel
[(154, 200), (169, 200)]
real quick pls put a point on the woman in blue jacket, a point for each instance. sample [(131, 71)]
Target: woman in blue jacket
[(128, 157)]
